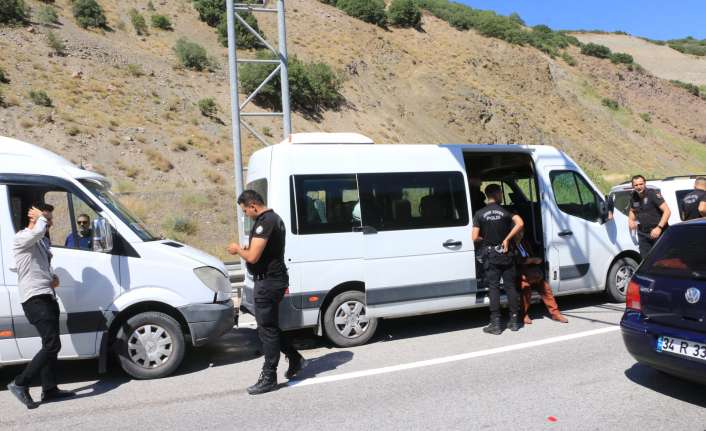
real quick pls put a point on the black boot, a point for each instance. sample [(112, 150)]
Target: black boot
[(266, 383), (494, 328), (22, 394), (514, 324), (295, 365)]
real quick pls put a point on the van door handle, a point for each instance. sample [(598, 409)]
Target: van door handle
[(565, 233), (452, 244), (367, 230)]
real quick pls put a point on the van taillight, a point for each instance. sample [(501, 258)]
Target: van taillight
[(632, 299)]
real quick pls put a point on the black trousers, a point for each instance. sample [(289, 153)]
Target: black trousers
[(646, 243), (42, 311), (508, 273), (268, 294)]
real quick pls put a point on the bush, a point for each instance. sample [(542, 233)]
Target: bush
[(3, 77), (184, 225), (47, 15), (571, 61), (210, 11), (610, 104), (621, 58), (135, 70), (191, 55), (595, 50), (13, 11), (150, 6), (313, 87), (208, 107), (404, 13), (372, 11), (40, 98), (89, 13), (691, 88), (244, 38), (138, 22), (2, 99), (161, 22), (646, 117), (55, 43)]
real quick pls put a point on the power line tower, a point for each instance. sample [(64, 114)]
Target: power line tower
[(238, 115)]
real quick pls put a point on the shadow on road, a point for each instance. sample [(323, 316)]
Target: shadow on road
[(665, 384), (327, 362)]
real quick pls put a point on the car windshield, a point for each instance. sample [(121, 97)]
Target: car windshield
[(679, 254), (107, 197)]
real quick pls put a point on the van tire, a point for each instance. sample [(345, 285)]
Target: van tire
[(160, 328), (348, 302), (618, 278)]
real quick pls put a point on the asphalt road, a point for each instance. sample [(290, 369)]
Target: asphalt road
[(435, 372)]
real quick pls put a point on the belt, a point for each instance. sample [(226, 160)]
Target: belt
[(263, 276)]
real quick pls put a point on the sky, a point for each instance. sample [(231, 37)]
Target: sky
[(655, 19)]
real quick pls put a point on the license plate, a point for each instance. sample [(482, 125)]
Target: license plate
[(686, 348)]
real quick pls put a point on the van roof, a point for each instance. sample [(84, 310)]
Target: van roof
[(24, 158), (327, 138)]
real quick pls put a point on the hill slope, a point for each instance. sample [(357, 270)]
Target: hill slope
[(122, 106)]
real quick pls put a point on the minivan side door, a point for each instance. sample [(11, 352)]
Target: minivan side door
[(8, 343), (418, 253)]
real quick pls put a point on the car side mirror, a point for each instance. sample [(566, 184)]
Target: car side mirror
[(102, 236)]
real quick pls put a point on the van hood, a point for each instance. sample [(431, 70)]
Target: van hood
[(182, 250)]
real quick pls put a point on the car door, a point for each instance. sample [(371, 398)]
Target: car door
[(580, 245), (8, 343), (89, 280), (418, 253)]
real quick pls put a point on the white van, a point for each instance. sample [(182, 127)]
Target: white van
[(382, 231), (125, 291)]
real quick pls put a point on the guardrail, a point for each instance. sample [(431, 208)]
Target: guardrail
[(236, 273)]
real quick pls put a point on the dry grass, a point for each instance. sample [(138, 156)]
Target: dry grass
[(158, 161), (214, 177)]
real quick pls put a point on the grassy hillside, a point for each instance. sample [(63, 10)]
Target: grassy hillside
[(121, 104)]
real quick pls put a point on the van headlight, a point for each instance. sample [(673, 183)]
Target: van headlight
[(213, 279)]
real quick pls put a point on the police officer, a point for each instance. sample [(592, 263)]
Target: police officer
[(264, 256), (694, 204), (493, 228), (649, 214)]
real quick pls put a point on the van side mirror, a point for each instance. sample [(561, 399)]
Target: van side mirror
[(603, 210), (102, 236)]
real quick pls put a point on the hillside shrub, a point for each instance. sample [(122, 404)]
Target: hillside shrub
[(40, 98), (191, 55), (331, 2), (611, 104), (621, 58), (208, 107), (184, 225), (46, 15), (210, 11), (2, 99), (161, 22), (13, 11), (55, 43), (150, 6), (3, 77), (89, 13), (571, 61), (595, 50), (313, 87), (138, 22), (372, 11), (646, 117), (404, 13), (244, 38), (691, 88)]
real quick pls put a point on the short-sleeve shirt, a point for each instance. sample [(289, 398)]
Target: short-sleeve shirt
[(647, 208), (269, 226), (494, 222), (691, 203), (74, 240)]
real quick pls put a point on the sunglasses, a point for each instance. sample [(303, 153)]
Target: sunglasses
[(83, 222)]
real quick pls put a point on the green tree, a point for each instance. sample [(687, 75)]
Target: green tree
[(210, 11), (89, 13), (13, 11), (404, 13), (372, 11), (244, 38)]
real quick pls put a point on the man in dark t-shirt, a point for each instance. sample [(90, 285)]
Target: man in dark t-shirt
[(694, 204), (264, 257), (649, 214), (493, 228)]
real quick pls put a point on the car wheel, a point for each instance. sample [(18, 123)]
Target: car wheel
[(150, 345), (619, 276), (346, 322)]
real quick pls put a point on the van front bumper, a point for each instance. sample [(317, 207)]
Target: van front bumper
[(208, 321)]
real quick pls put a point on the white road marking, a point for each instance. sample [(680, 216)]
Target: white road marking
[(454, 358)]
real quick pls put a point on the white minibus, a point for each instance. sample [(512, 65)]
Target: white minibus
[(384, 231)]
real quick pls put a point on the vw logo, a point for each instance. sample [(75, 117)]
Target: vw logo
[(692, 295)]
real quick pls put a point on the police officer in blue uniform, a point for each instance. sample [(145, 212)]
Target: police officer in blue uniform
[(649, 214), (493, 229), (694, 203), (264, 256)]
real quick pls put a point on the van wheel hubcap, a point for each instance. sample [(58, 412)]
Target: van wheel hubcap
[(622, 278), (150, 346), (351, 320)]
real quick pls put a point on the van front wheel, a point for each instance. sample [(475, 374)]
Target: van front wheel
[(619, 276), (150, 345), (346, 321)]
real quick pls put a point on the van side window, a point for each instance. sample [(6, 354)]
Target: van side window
[(413, 200), (574, 196), (621, 201), (260, 186), (326, 204)]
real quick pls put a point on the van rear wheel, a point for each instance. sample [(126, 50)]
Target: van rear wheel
[(150, 345), (346, 322), (619, 276)]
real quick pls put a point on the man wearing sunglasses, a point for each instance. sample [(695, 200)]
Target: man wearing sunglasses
[(81, 238)]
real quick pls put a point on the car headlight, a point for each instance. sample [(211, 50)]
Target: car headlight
[(213, 279)]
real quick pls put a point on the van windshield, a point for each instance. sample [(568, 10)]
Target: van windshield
[(107, 197)]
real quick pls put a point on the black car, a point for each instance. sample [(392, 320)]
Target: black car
[(664, 325)]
